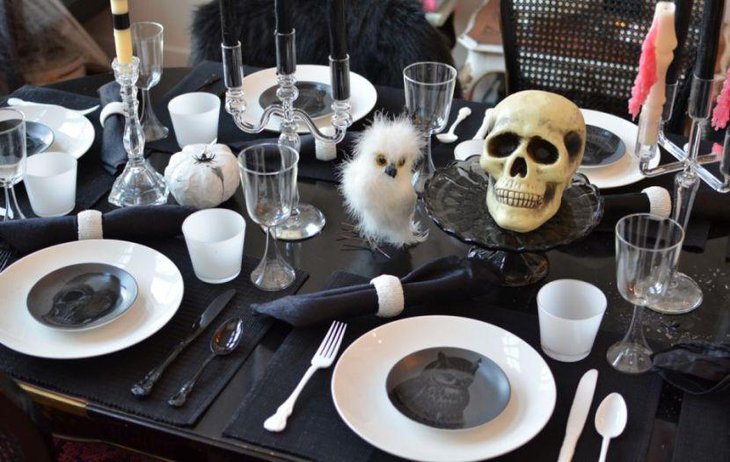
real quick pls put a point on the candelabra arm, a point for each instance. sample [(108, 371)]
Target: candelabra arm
[(338, 135)]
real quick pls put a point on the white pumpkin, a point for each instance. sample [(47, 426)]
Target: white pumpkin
[(202, 175)]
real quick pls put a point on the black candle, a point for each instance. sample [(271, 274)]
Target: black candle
[(709, 38), (283, 17), (682, 16), (227, 13), (337, 29)]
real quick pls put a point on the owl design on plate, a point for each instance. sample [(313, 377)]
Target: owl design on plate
[(439, 395)]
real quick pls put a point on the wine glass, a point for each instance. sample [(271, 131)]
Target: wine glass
[(147, 39), (647, 250), (12, 157), (429, 89), (269, 178)]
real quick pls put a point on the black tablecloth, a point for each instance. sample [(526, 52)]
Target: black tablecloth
[(107, 379), (316, 431)]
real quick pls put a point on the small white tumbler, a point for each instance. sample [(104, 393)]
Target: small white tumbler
[(570, 312), (214, 238), (195, 117), (50, 180)]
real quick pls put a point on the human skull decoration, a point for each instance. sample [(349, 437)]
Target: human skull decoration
[(535, 144)]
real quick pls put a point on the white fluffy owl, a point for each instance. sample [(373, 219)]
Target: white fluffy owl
[(376, 182)]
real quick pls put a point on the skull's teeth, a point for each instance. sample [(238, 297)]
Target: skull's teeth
[(518, 198)]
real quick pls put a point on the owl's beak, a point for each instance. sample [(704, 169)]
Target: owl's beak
[(391, 171)]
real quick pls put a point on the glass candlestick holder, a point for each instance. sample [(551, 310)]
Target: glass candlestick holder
[(306, 220), (139, 183)]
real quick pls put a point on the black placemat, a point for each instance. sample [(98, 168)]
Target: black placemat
[(106, 380), (698, 441), (315, 430), (92, 181)]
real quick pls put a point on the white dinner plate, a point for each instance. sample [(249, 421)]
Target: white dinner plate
[(624, 171), (362, 94), (359, 391), (160, 287), (74, 133)]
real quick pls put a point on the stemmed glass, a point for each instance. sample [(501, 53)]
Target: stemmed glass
[(12, 157), (269, 178), (147, 39), (429, 89), (647, 250)]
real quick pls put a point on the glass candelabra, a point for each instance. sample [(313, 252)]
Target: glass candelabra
[(306, 220), (684, 294), (139, 183)]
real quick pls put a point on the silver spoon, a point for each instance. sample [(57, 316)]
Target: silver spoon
[(20, 102), (224, 341), (450, 137), (610, 420)]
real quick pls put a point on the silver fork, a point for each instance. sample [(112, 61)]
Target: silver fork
[(322, 359)]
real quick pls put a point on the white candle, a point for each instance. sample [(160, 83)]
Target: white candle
[(666, 42), (122, 31)]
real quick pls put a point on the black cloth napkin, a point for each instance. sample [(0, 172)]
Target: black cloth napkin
[(697, 368), (52, 96), (445, 279), (315, 430), (106, 380), (93, 181), (113, 154), (131, 224)]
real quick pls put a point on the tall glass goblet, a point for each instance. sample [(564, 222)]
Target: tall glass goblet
[(647, 249), (12, 158), (429, 89), (147, 39), (269, 178)]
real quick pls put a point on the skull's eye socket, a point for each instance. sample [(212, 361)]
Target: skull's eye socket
[(542, 152), (401, 162), (381, 160), (503, 145)]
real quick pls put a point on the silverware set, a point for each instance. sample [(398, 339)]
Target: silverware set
[(610, 419), (224, 341)]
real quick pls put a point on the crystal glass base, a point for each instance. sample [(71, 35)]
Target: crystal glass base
[(629, 357), (154, 130), (306, 222), (273, 274), (139, 184), (683, 296)]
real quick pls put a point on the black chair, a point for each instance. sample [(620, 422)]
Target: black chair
[(23, 430), (585, 50), (384, 36)]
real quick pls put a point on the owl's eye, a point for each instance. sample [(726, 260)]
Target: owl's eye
[(402, 162), (381, 160)]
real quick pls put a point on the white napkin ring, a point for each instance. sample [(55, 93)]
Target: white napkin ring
[(112, 108), (391, 300), (660, 201), (325, 151), (89, 225)]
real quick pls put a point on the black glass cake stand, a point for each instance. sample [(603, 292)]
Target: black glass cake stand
[(455, 199)]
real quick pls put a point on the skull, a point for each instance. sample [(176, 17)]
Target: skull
[(535, 145)]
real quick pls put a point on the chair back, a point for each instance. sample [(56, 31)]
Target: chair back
[(585, 50), (23, 433)]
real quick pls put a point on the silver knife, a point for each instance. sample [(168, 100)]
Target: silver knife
[(144, 386), (578, 414)]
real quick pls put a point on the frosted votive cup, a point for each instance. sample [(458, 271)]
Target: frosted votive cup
[(195, 117), (569, 312), (50, 180), (214, 238)]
